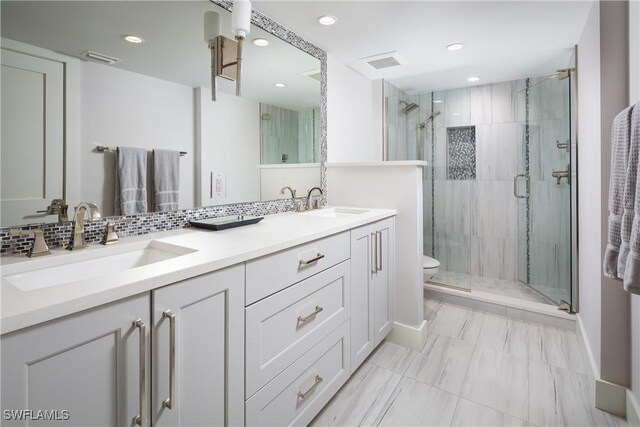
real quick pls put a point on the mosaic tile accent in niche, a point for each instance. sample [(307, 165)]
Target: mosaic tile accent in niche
[(59, 234), (461, 152)]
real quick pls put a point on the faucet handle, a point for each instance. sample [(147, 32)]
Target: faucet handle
[(39, 247), (110, 236)]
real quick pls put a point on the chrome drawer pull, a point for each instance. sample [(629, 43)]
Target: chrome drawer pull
[(302, 395), (142, 382), (310, 316), (311, 261), (168, 402)]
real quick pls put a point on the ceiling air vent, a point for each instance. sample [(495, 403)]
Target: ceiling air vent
[(99, 57), (384, 60)]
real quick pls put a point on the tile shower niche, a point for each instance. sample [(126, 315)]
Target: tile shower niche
[(461, 153)]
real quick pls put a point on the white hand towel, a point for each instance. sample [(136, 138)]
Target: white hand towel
[(131, 181), (166, 180), (632, 268)]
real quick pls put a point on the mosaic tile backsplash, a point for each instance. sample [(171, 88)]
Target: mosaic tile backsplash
[(461, 153)]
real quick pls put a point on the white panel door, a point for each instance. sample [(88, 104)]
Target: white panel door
[(32, 147), (87, 364), (208, 338), (362, 303), (383, 279)]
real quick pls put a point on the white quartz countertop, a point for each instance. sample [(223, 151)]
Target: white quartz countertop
[(213, 250)]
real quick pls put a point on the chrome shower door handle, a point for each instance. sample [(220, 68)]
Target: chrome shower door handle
[(169, 402), (515, 186), (139, 419)]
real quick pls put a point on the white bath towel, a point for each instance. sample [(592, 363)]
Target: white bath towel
[(632, 267), (166, 180), (131, 181), (622, 192)]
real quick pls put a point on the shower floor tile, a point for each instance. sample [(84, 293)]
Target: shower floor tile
[(505, 288)]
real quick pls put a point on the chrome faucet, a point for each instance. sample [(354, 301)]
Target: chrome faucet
[(310, 205), (39, 247), (57, 207), (79, 241), (298, 205), (291, 190)]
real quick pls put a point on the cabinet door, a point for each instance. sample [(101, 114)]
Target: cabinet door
[(204, 379), (87, 364), (383, 279), (362, 302)]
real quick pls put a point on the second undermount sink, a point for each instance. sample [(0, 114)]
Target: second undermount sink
[(336, 212), (91, 264)]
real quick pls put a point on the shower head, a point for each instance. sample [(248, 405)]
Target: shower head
[(408, 107), (428, 119)]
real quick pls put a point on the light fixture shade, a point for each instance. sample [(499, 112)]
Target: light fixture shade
[(241, 18), (211, 26)]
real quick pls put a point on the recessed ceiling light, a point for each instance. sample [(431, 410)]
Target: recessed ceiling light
[(437, 101), (455, 46), (280, 85), (133, 39), (260, 42), (473, 79), (327, 20)]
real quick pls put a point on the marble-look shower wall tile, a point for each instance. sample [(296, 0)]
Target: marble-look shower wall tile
[(497, 151), (548, 99), (453, 251), (493, 210), (452, 213), (549, 265), (504, 104), (494, 257), (440, 151), (427, 215), (544, 154), (550, 212), (457, 107), (480, 105)]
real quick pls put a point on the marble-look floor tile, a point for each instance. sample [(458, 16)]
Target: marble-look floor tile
[(431, 307), (559, 397), (361, 400), (557, 347), (392, 356), (504, 334), (416, 404), (442, 363), (472, 414), (457, 322), (498, 380)]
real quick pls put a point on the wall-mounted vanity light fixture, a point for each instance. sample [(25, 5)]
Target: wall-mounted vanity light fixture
[(226, 54)]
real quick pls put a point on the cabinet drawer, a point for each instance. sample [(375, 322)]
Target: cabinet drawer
[(298, 394), (272, 273), (283, 327)]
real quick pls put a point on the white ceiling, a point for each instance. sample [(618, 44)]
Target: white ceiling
[(174, 48), (504, 40)]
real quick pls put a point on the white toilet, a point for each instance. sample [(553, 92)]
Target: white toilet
[(429, 267)]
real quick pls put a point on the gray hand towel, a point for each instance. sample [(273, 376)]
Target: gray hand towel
[(622, 192), (131, 181), (632, 268), (166, 180)]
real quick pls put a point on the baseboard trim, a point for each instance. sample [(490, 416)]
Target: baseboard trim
[(633, 410), (586, 345), (409, 336)]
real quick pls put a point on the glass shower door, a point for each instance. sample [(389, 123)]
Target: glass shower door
[(543, 188)]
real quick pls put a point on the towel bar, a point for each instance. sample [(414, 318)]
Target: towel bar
[(102, 149)]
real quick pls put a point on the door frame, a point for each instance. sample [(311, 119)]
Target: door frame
[(71, 125)]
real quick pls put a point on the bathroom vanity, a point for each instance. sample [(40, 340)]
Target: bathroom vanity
[(259, 325)]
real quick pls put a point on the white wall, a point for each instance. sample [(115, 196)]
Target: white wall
[(121, 108), (301, 177), (350, 127), (591, 190), (634, 96), (226, 135)]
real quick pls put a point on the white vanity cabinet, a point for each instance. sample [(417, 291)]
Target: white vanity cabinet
[(198, 351), (372, 287), (87, 363)]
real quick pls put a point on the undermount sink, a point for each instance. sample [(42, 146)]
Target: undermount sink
[(92, 264), (336, 212)]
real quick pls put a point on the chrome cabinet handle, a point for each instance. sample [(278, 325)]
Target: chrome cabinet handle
[(302, 395), (515, 186), (311, 261), (310, 316), (168, 402), (379, 251), (374, 252), (138, 419)]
